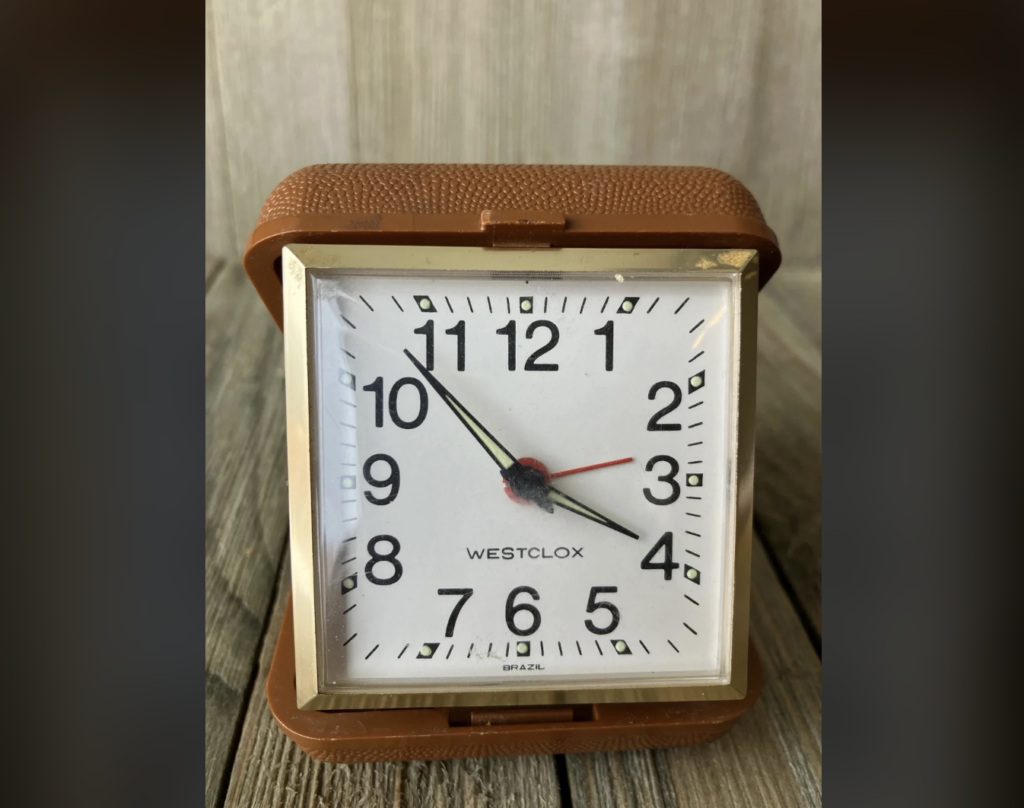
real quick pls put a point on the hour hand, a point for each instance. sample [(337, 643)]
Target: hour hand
[(570, 504), (499, 454)]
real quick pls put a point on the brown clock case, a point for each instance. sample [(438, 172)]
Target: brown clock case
[(501, 206)]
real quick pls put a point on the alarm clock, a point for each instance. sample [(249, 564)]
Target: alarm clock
[(520, 420)]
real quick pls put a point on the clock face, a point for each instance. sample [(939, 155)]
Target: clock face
[(516, 473), (521, 479)]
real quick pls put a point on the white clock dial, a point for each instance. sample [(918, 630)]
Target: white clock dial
[(451, 549)]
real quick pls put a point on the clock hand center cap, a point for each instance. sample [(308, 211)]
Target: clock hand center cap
[(526, 481)]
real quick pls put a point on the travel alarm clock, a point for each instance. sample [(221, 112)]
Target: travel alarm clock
[(520, 416)]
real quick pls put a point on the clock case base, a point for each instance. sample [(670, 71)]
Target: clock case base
[(521, 207), (365, 736)]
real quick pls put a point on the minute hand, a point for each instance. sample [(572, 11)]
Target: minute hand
[(565, 501), (499, 454)]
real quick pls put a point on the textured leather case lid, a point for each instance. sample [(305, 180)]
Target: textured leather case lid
[(505, 206)]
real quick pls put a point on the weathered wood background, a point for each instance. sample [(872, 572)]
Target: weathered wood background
[(733, 84)]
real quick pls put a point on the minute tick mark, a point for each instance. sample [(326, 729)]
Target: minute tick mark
[(691, 600), (371, 652), (350, 639), (655, 303), (673, 646), (681, 306), (397, 303), (697, 326), (348, 322), (470, 302), (687, 625), (371, 309), (698, 356)]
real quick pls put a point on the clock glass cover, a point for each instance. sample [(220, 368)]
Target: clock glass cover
[(522, 466)]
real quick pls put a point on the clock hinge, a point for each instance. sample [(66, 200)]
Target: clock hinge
[(522, 228), (503, 716)]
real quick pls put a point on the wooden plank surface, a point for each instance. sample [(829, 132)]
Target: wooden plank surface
[(270, 770), (772, 757), (734, 84), (787, 476), (246, 503)]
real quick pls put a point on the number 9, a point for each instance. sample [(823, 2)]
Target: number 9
[(393, 480)]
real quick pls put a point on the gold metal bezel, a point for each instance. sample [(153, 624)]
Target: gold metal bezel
[(738, 266)]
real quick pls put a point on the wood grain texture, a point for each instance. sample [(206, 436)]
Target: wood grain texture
[(772, 757), (283, 78), (270, 770), (787, 475), (734, 85), (246, 502), (221, 234)]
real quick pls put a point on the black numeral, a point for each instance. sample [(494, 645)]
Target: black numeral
[(668, 564), (531, 363), (511, 609), (510, 331), (427, 329), (594, 605), (460, 332), (669, 478), (608, 332), (377, 388), (393, 480), (465, 595), (391, 556), (677, 399)]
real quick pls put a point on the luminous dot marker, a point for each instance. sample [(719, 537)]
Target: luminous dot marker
[(693, 479), (348, 583), (346, 379), (627, 306), (426, 650), (526, 305), (696, 381), (620, 646), (425, 304), (347, 483), (691, 574), (522, 648)]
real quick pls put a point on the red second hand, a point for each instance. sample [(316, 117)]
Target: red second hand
[(590, 468)]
